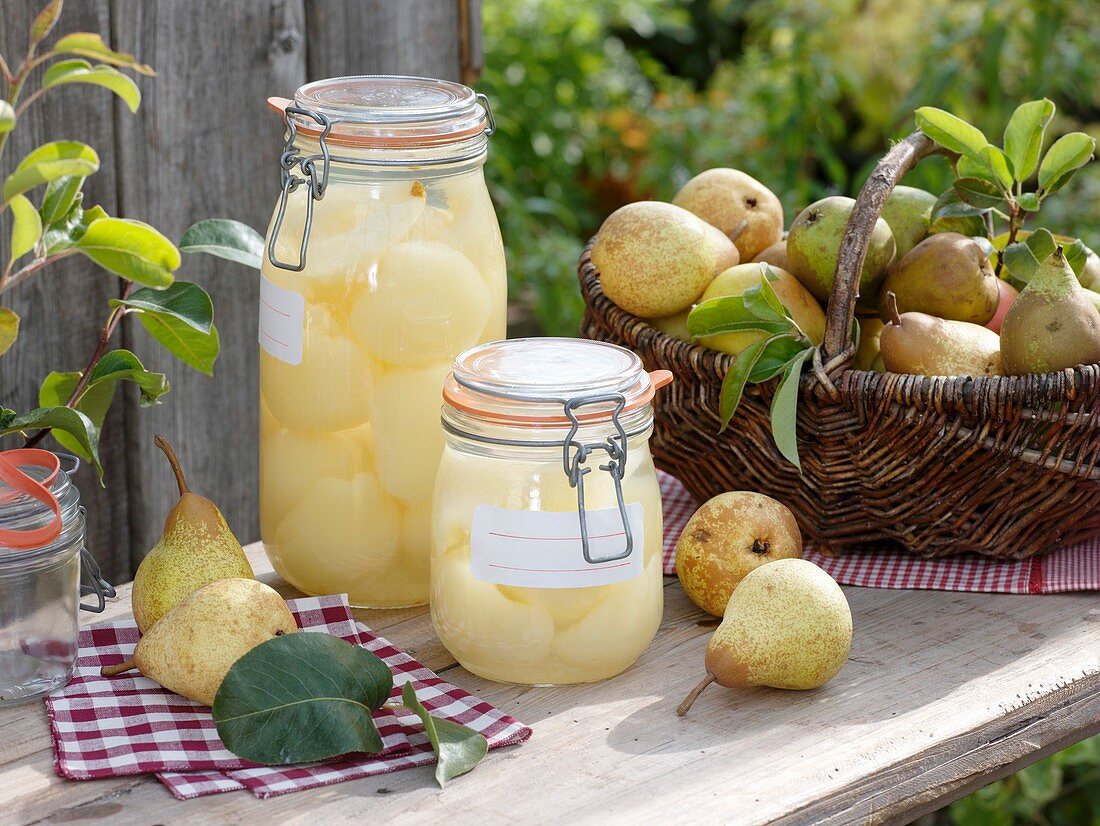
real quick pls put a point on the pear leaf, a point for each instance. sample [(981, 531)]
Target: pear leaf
[(777, 353), (784, 412), (131, 249), (90, 44), (979, 193), (730, 314), (7, 117), (60, 196), (457, 748), (302, 697), (225, 238), (1068, 154), (9, 329), (26, 228), (81, 71), (1024, 135), (733, 385), (59, 418), (49, 162), (44, 22), (951, 132)]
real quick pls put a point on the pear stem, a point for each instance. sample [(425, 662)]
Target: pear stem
[(115, 670), (162, 443), (689, 700), (737, 230), (892, 307)]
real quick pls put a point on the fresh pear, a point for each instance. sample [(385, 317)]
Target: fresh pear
[(655, 259), (725, 198), (195, 548), (813, 245), (1007, 297), (804, 309), (730, 535), (1053, 325), (870, 329), (1094, 297), (924, 345), (1090, 273), (787, 625), (908, 211), (945, 275), (674, 325), (192, 647), (776, 255)]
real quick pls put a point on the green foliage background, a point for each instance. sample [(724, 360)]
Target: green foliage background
[(609, 101), (602, 103)]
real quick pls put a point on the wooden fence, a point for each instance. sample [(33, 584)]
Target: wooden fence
[(202, 145)]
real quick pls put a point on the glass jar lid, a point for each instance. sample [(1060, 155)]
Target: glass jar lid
[(534, 380), (25, 512), (390, 110)]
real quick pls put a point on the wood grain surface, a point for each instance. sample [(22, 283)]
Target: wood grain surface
[(202, 145), (942, 693)]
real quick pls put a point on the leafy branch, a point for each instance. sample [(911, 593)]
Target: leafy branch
[(988, 198), (783, 350), (178, 315)]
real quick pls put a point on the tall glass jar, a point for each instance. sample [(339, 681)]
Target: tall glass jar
[(384, 261), (42, 559), (547, 530)]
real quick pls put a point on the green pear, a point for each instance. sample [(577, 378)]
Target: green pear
[(192, 647), (814, 243), (923, 345), (744, 209), (195, 548), (945, 275), (1052, 325), (908, 211), (787, 625), (655, 259), (1090, 273), (674, 325), (776, 255)]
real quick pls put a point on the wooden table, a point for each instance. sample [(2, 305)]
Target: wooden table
[(943, 693)]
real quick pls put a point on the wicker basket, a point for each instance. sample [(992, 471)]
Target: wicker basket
[(1003, 466)]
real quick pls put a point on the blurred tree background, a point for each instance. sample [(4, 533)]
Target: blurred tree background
[(604, 102), (610, 101)]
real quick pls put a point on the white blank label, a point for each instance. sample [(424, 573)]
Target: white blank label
[(533, 549), (281, 314)]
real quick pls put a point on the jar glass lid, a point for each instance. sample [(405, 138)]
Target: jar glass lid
[(384, 110), (532, 379)]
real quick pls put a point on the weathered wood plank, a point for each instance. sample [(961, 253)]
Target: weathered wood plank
[(63, 308), (359, 37), (943, 692), (204, 145)]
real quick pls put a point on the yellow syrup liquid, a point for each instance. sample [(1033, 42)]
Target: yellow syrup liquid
[(401, 276), (540, 636)]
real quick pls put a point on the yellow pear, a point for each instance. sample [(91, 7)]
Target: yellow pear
[(744, 209), (730, 535), (805, 310), (655, 259), (919, 344), (193, 646), (195, 548), (787, 625), (776, 255)]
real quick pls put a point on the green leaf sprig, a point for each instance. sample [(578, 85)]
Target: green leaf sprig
[(178, 315), (989, 185), (305, 697), (782, 350)]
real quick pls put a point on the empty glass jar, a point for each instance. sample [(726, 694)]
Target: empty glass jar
[(41, 547)]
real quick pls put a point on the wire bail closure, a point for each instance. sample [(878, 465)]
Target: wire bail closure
[(289, 182), (576, 453)]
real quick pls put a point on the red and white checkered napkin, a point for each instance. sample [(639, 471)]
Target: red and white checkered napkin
[(130, 725), (1070, 569)]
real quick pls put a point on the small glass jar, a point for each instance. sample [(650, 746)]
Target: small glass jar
[(384, 261), (40, 577), (547, 529)]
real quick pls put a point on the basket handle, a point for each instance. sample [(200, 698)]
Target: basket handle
[(902, 157)]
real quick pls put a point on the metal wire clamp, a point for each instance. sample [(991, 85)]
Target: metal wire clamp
[(289, 182), (576, 453)]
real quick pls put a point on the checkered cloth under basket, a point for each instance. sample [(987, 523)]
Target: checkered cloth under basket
[(1070, 569)]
